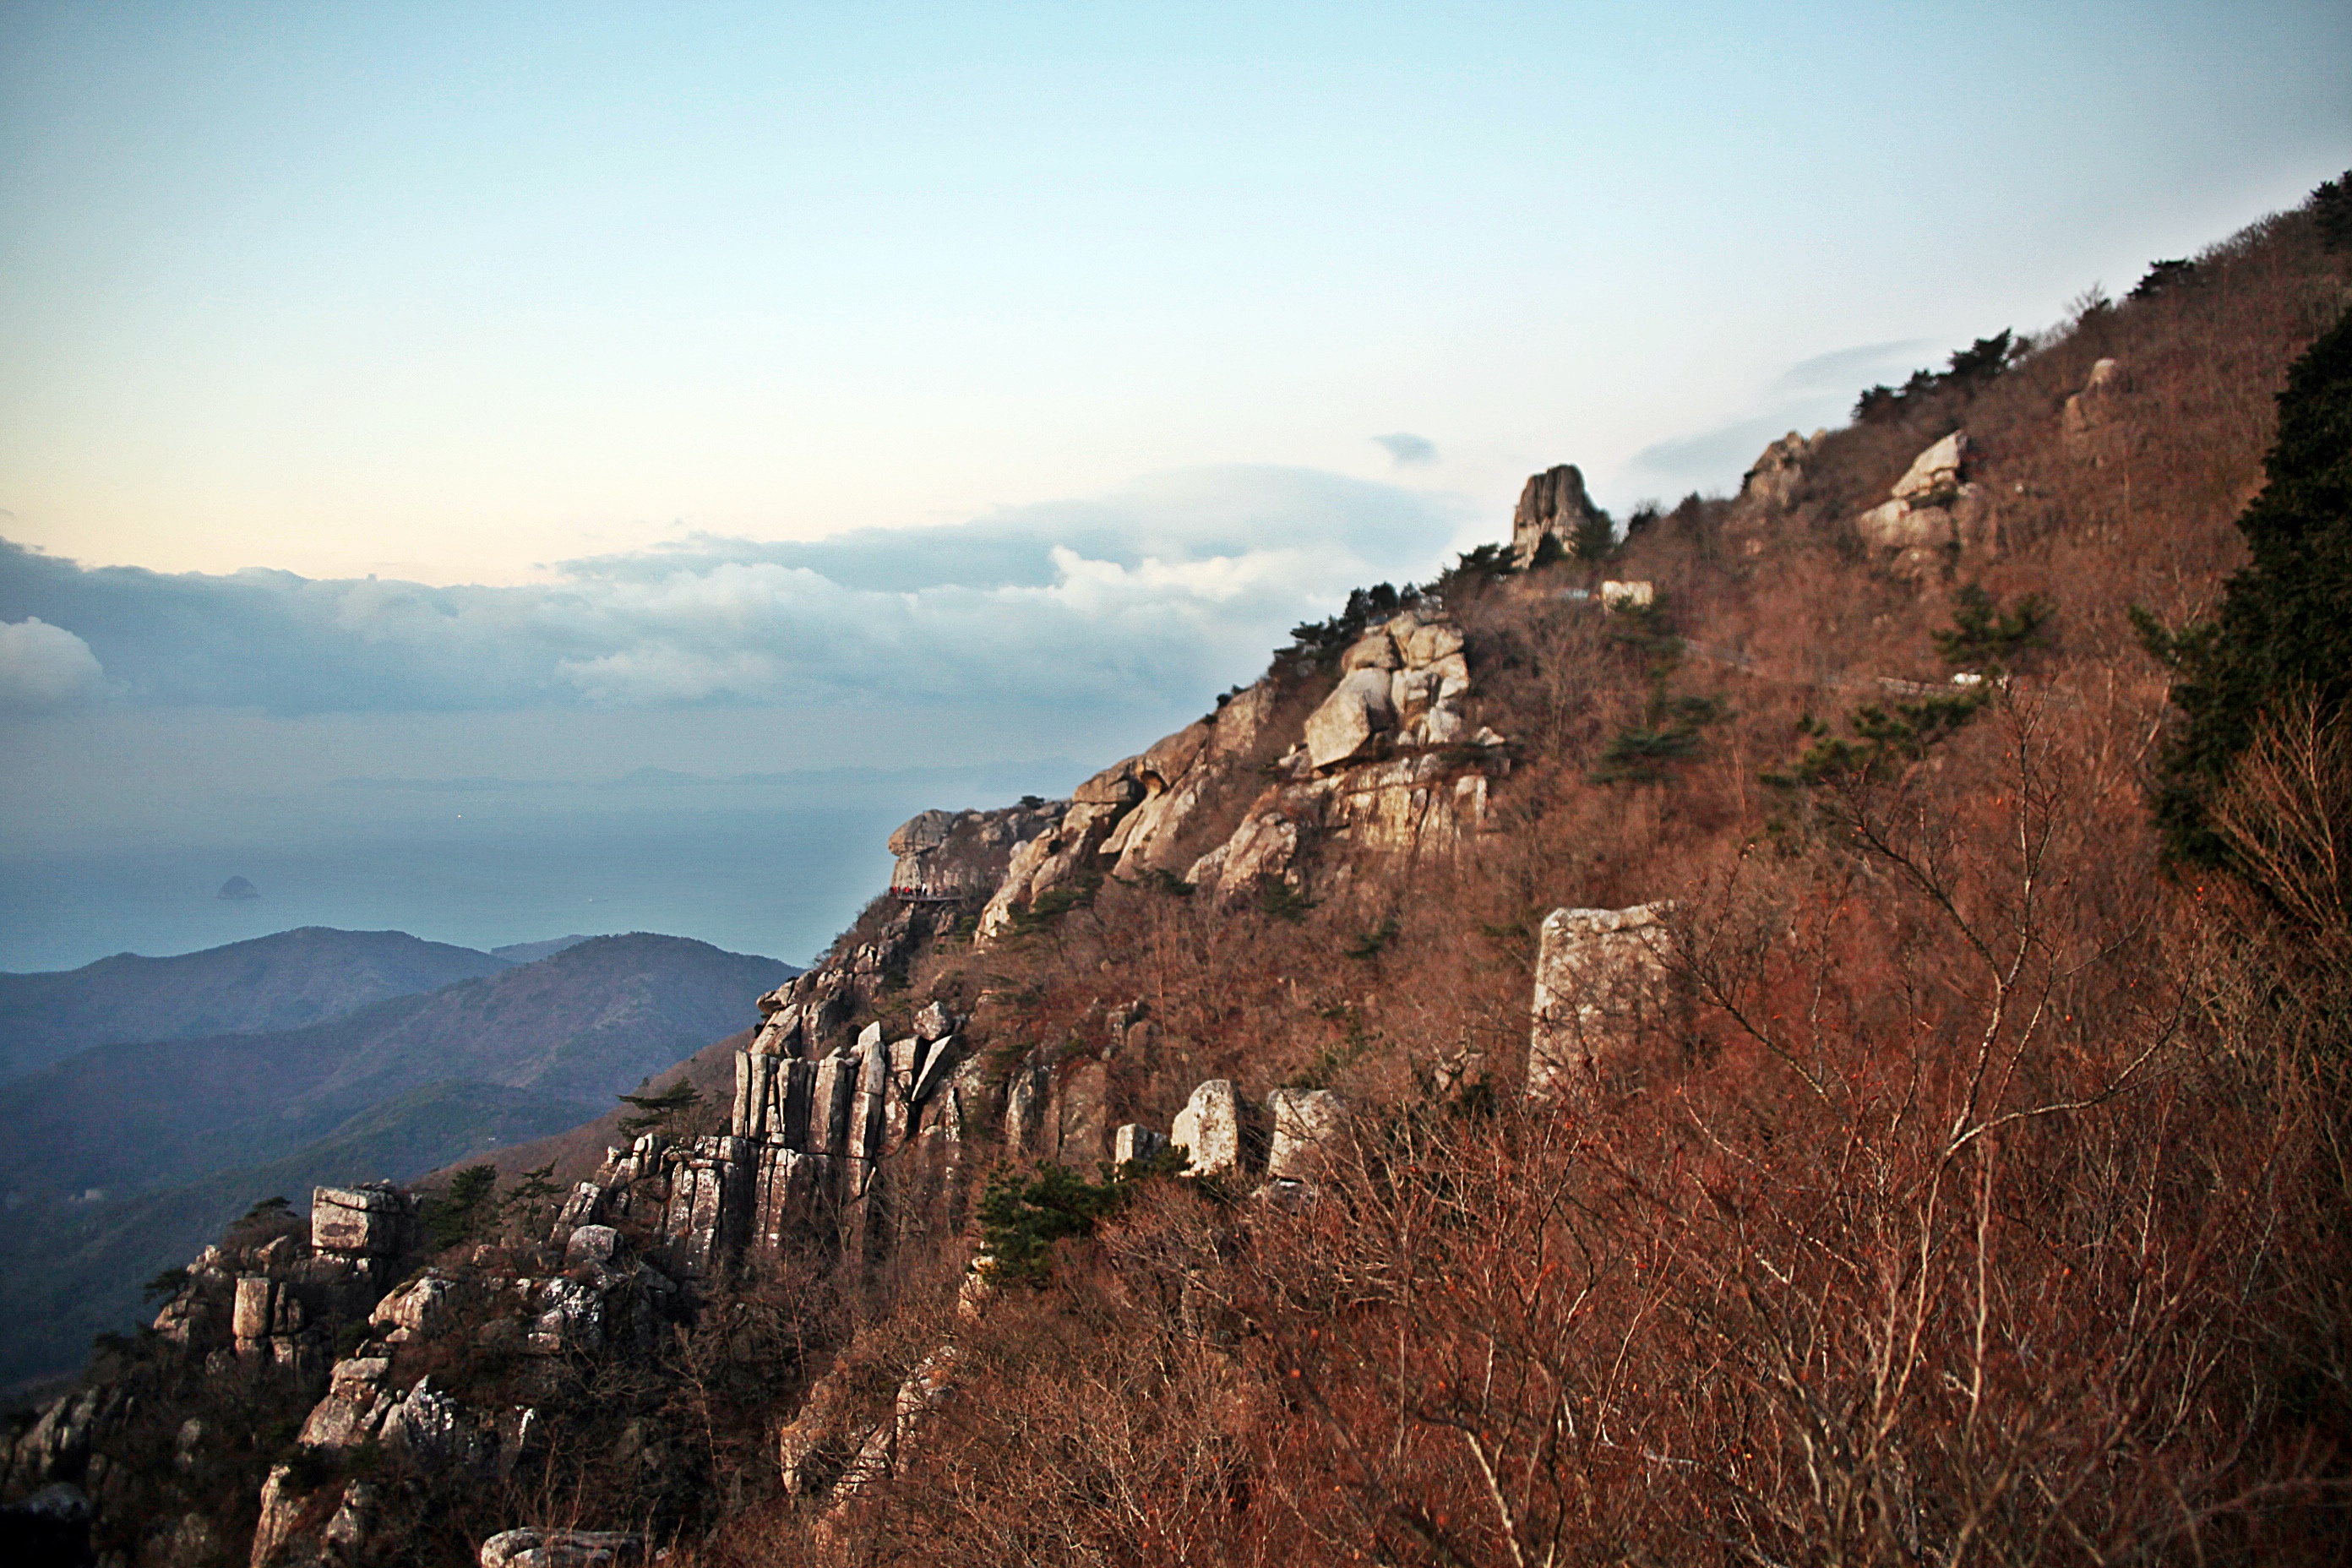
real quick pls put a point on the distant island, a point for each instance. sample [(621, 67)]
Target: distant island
[(238, 888)]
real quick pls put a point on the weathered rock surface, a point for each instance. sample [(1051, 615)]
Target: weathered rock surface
[(1134, 1143), (1771, 485), (1210, 1130), (1601, 977), (1408, 807), (1628, 595), (375, 1220), (964, 854), (1553, 505), (1933, 518), (1307, 1127), (354, 1407), (1358, 710), (2089, 412), (282, 1511), (562, 1549)]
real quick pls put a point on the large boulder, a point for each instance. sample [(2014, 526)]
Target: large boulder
[(414, 1310), (1309, 1124), (1358, 711), (1934, 476), (562, 1549), (375, 1220), (354, 1407), (1933, 517)]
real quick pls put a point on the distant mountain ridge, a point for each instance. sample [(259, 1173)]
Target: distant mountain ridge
[(180, 1135), (533, 951), (288, 980), (572, 1029)]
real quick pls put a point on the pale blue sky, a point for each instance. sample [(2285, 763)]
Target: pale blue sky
[(771, 387), (449, 292)]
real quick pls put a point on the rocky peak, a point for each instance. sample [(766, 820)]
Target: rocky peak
[(1771, 485), (1552, 504), (963, 854)]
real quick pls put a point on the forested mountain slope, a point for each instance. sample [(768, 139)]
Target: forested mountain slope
[(283, 982)]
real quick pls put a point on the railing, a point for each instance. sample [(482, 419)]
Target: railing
[(924, 896)]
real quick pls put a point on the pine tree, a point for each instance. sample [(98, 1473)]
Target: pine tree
[(660, 1112), (2284, 630)]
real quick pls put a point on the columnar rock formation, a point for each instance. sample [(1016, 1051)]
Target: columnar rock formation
[(1552, 505), (838, 1134), (1601, 979)]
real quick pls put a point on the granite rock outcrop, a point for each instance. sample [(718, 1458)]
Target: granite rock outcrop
[(1603, 978), (1552, 505), (1934, 518)]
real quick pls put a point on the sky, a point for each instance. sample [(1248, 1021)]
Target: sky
[(542, 392)]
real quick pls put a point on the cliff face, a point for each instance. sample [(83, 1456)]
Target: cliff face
[(1547, 1019)]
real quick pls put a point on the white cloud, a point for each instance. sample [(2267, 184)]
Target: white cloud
[(1166, 590), (44, 667)]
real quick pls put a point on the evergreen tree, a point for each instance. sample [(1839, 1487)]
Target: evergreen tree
[(2284, 624), (660, 1112), (466, 1210)]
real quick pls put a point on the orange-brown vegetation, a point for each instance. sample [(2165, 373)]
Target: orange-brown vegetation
[(1988, 1202)]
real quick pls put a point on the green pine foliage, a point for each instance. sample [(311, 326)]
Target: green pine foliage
[(1318, 643), (466, 1210), (2284, 624), (1596, 538), (660, 1112), (2161, 275), (1984, 637), (2331, 209), (1020, 1217), (1885, 740)]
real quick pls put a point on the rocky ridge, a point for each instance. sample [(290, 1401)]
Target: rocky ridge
[(840, 1132)]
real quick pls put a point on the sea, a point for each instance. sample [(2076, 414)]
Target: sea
[(775, 865)]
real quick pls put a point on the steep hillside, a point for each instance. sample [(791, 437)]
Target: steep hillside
[(288, 980), (65, 1277), (1676, 1042)]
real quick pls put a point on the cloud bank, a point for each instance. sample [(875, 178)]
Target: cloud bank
[(45, 667), (1177, 583)]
